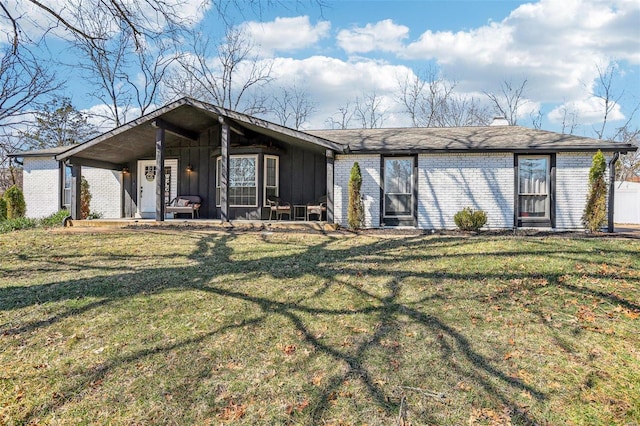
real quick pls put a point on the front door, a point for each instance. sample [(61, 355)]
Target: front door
[(147, 175)]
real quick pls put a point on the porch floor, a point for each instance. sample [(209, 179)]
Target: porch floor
[(208, 223)]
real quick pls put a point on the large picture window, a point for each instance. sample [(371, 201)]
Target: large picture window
[(398, 186), (533, 187), (243, 180)]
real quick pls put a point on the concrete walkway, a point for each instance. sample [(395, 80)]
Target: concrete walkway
[(627, 229)]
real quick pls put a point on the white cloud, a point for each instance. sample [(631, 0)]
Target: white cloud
[(383, 36), (588, 111), (331, 83), (286, 34), (555, 45)]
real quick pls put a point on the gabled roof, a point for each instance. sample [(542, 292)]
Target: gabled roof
[(45, 152), (465, 139), (136, 139)]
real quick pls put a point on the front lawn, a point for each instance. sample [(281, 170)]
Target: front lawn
[(189, 326)]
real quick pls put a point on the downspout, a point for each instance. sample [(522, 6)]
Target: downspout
[(612, 190)]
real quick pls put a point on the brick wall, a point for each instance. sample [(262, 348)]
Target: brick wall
[(447, 183), (41, 186), (572, 187), (105, 187), (370, 169)]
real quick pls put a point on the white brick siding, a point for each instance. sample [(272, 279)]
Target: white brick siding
[(572, 187), (105, 187), (447, 183), (370, 190), (41, 186)]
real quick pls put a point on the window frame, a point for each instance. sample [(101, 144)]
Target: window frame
[(547, 194), (411, 194), (67, 182), (265, 185), (255, 157)]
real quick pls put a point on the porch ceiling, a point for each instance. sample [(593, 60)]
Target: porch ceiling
[(136, 139)]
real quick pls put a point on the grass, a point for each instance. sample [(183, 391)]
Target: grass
[(192, 326)]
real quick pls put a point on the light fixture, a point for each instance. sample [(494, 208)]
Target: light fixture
[(125, 170), (189, 168)]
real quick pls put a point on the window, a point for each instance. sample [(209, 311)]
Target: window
[(398, 186), (243, 180), (66, 187), (533, 187), (271, 177)]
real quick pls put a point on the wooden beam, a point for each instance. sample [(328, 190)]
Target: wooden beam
[(160, 138), (99, 164), (224, 172), (174, 130), (76, 189), (330, 159)]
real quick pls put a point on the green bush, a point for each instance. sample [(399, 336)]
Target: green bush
[(355, 208), (55, 219), (17, 223), (3, 209), (469, 220), (85, 199), (16, 206), (595, 212)]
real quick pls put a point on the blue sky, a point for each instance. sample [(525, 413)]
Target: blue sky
[(351, 48)]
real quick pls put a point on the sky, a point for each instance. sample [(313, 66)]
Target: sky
[(350, 49)]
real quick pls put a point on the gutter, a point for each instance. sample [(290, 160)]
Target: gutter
[(612, 190)]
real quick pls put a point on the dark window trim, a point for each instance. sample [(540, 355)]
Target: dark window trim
[(407, 220), (549, 222)]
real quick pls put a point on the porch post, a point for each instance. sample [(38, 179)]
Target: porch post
[(76, 189), (329, 156), (224, 172), (612, 192), (160, 136)]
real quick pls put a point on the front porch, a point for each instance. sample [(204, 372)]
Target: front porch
[(234, 164)]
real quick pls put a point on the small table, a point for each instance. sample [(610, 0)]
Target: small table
[(299, 212)]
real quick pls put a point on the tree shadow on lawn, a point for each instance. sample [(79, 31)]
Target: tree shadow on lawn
[(215, 259)]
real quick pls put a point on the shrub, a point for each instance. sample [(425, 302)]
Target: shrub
[(355, 210), (595, 212), (17, 223), (3, 209), (55, 219), (16, 206), (85, 199), (469, 220)]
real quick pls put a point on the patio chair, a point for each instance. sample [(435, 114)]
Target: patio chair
[(317, 208), (279, 207)]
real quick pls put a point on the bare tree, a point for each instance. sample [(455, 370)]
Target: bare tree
[(605, 91), (369, 111), (24, 83), (141, 20), (231, 81), (292, 107), (430, 101), (344, 114), (508, 101), (569, 120), (424, 97)]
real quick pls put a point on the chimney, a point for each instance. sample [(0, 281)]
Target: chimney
[(499, 121)]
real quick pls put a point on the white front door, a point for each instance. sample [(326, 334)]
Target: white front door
[(147, 175)]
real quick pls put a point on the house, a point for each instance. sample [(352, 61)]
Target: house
[(417, 177)]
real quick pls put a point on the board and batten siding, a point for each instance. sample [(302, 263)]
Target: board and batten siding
[(370, 189), (447, 183)]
